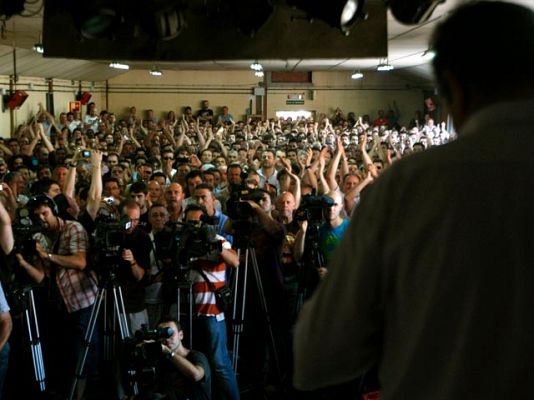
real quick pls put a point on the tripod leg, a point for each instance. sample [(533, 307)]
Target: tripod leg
[(40, 370), (87, 340), (121, 312), (266, 311), (33, 339), (238, 312)]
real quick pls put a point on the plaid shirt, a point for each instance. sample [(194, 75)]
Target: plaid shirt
[(78, 288)]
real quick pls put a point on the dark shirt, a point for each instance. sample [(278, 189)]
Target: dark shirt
[(134, 291), (175, 386), (205, 113)]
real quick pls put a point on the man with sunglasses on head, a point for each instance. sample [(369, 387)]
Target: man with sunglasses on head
[(62, 260)]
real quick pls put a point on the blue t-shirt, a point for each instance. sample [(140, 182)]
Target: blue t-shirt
[(329, 238)]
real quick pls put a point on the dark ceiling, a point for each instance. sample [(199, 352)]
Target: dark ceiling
[(214, 30)]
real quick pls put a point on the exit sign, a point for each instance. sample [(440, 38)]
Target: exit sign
[(294, 102)]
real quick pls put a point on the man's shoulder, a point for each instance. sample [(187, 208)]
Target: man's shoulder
[(73, 225), (197, 358)]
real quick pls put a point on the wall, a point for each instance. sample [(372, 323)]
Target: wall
[(36, 88), (336, 89), (176, 89)]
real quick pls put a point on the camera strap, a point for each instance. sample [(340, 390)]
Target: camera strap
[(158, 265), (53, 289), (210, 283)]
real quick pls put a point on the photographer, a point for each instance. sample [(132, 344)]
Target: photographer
[(331, 231), (132, 273), (183, 373), (62, 249), (209, 326), (266, 236)]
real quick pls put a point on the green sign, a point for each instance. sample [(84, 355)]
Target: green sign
[(294, 102)]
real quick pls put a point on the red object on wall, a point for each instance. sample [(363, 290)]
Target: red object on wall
[(16, 99), (84, 98)]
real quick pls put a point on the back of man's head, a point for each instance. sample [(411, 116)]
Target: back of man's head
[(488, 47)]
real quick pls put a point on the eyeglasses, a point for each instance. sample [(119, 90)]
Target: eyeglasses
[(168, 158)]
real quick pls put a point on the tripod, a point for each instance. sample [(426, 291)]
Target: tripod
[(107, 284), (184, 283), (26, 299), (238, 312), (313, 259)]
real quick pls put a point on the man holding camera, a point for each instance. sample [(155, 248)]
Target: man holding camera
[(266, 236), (132, 273), (209, 327), (183, 373), (62, 249), (330, 233)]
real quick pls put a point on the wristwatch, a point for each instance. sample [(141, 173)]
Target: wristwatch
[(170, 355)]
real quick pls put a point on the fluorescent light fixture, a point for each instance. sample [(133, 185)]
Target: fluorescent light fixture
[(356, 75), (428, 54), (385, 67), (259, 74), (117, 65), (256, 66), (155, 72), (38, 47)]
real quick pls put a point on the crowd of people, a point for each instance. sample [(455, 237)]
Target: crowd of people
[(133, 194)]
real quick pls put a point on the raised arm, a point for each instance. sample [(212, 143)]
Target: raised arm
[(6, 234), (367, 161), (334, 164), (70, 180), (323, 187), (95, 190), (352, 195), (44, 137)]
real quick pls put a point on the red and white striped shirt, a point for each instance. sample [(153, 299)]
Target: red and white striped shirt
[(215, 271)]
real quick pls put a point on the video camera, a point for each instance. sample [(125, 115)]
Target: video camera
[(24, 229), (142, 354), (237, 206), (109, 232), (109, 236), (189, 241), (311, 208)]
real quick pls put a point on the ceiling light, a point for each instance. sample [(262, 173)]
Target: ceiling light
[(340, 14), (117, 65), (259, 74), (97, 20), (413, 12), (428, 54), (256, 66), (385, 66), (38, 47), (356, 75), (155, 72), (164, 19)]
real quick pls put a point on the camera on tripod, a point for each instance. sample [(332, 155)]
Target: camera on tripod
[(110, 232), (186, 242), (311, 208), (237, 206)]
